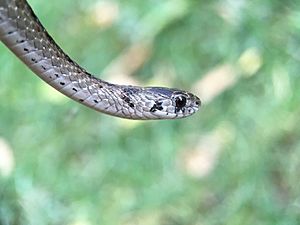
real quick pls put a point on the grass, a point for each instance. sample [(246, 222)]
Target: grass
[(235, 162)]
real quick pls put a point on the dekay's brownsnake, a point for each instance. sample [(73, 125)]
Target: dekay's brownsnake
[(22, 32)]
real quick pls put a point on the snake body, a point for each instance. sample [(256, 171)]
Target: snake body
[(22, 32)]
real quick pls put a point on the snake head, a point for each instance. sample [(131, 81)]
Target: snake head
[(157, 103), (171, 103)]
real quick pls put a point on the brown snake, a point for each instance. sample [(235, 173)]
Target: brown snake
[(22, 32)]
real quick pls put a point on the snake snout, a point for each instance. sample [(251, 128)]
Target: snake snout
[(197, 102)]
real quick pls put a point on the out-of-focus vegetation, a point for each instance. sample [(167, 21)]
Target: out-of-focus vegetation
[(237, 161)]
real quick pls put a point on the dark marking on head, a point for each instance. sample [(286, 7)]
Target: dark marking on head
[(96, 101), (33, 59), (56, 75), (43, 67), (157, 106), (153, 109), (74, 89), (26, 50), (62, 83), (10, 32)]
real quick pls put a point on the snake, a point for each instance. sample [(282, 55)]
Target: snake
[(22, 32)]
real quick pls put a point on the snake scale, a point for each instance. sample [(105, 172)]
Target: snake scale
[(22, 32)]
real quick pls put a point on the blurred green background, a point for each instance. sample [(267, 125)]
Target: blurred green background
[(237, 161)]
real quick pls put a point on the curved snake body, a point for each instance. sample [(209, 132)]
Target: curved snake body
[(22, 32)]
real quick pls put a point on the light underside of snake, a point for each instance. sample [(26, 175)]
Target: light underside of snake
[(22, 32)]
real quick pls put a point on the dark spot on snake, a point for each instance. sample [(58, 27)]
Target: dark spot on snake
[(26, 50), (81, 100), (33, 59), (127, 100), (96, 101), (153, 109), (74, 89), (20, 41), (10, 32), (44, 68), (56, 75), (157, 106), (62, 83)]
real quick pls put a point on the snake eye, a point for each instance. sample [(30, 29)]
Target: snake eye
[(180, 102)]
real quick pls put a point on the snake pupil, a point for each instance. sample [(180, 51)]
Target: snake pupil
[(180, 102)]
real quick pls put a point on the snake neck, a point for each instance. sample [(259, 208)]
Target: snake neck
[(22, 32)]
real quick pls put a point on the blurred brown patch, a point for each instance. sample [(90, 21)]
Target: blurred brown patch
[(215, 82), (105, 13), (7, 161), (127, 63), (250, 61), (200, 160)]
